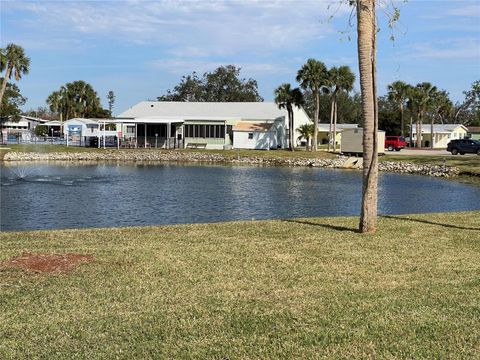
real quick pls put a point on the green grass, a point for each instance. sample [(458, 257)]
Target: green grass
[(311, 288)]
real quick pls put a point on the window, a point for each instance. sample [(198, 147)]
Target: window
[(205, 131), (250, 135), (130, 129)]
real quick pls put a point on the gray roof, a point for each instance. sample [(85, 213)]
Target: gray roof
[(439, 128), (203, 110), (326, 127)]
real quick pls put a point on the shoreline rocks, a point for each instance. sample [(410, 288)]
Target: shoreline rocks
[(339, 162)]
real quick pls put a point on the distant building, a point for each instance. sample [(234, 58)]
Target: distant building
[(212, 125), (324, 129), (473, 132), (442, 134), (259, 136), (21, 131), (88, 132)]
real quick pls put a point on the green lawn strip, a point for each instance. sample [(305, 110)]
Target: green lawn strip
[(45, 148), (308, 288), (468, 165)]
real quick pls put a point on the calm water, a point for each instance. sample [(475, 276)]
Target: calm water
[(67, 196)]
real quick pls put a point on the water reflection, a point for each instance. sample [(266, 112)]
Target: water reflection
[(101, 195)]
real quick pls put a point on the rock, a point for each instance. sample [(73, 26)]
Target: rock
[(181, 156)]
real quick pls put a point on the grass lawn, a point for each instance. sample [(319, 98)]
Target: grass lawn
[(311, 288)]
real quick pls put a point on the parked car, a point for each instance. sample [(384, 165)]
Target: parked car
[(396, 143), (463, 146)]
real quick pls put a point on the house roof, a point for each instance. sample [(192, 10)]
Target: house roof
[(203, 110), (53, 123), (473, 129), (250, 126), (439, 128), (339, 127), (83, 120)]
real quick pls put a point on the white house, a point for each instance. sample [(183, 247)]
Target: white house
[(207, 124), (23, 130), (442, 134), (87, 132)]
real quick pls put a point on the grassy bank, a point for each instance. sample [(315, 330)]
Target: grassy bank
[(468, 165), (300, 153), (309, 288)]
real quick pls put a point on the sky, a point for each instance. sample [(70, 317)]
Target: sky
[(139, 49)]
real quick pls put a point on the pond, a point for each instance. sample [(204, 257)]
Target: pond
[(46, 196)]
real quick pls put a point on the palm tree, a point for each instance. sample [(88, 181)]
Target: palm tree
[(442, 108), (313, 76), (366, 31), (75, 99), (306, 132), (54, 103), (422, 97), (398, 93), (15, 62), (340, 79), (287, 98)]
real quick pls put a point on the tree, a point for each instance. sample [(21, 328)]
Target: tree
[(14, 61), (41, 112), (76, 99), (11, 102), (366, 42), (41, 130), (221, 85), (313, 76), (442, 109), (340, 79), (398, 93), (468, 112), (306, 132), (422, 97), (287, 98), (111, 101), (388, 115)]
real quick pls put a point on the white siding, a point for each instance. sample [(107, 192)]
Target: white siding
[(261, 140)]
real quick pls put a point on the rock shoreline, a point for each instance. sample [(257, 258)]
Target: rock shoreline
[(339, 162)]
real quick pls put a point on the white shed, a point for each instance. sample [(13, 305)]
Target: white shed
[(352, 142), (255, 135)]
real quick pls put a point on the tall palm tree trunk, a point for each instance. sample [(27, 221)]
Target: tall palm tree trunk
[(315, 125), (292, 130), (335, 113), (431, 133), (419, 130), (366, 30), (410, 141), (4, 84), (330, 131), (401, 120)]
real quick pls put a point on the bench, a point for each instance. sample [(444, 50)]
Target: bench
[(196, 145)]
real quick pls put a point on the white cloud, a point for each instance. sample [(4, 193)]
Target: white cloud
[(451, 49), (189, 27), (185, 67), (469, 10)]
